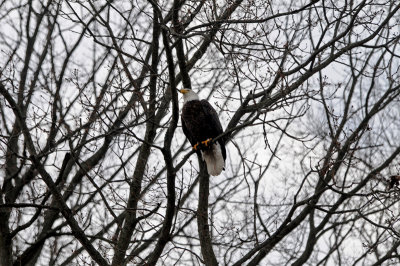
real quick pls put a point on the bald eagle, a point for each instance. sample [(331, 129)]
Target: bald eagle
[(201, 125)]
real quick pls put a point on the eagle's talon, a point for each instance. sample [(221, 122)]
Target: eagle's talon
[(206, 142), (195, 146)]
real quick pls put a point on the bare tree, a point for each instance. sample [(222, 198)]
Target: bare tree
[(96, 169)]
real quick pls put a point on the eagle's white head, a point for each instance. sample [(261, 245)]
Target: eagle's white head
[(188, 95)]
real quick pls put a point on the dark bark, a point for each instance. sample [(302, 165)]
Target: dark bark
[(202, 217)]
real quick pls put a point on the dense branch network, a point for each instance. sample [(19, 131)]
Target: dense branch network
[(95, 166)]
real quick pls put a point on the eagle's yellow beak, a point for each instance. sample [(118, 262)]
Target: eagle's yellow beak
[(183, 91)]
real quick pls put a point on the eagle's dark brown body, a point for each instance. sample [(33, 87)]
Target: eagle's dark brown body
[(200, 122)]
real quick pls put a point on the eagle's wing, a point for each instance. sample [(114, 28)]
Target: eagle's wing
[(213, 120), (212, 117)]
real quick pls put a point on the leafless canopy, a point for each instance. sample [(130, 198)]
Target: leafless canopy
[(95, 168)]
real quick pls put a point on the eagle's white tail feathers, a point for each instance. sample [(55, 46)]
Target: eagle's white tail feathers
[(214, 160)]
